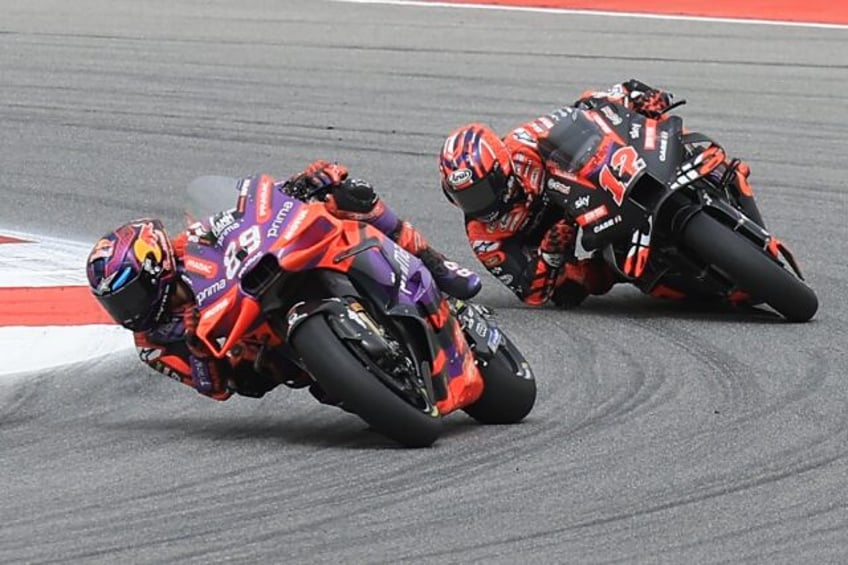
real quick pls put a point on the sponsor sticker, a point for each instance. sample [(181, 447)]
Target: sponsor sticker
[(263, 200), (592, 215), (611, 115), (210, 291), (650, 135), (460, 177), (202, 267)]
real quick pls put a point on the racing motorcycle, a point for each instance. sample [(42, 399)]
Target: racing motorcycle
[(277, 276), (656, 203)]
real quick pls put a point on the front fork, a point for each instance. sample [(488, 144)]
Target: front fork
[(736, 220), (485, 339), (483, 336)]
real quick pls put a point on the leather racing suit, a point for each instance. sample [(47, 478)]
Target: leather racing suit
[(531, 248)]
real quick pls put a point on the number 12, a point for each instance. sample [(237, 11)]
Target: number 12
[(626, 164)]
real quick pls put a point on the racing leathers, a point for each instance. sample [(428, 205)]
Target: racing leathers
[(530, 247), (172, 349)]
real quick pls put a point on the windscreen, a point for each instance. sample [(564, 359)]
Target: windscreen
[(208, 195), (572, 141)]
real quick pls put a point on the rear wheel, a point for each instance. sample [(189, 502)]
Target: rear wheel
[(509, 390), (750, 268), (396, 407)]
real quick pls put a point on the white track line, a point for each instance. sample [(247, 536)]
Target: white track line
[(575, 12), (36, 349), (44, 261)]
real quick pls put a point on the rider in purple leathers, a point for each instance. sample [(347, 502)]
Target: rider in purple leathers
[(137, 274)]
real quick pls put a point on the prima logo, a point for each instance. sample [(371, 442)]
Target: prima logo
[(210, 291), (281, 216)]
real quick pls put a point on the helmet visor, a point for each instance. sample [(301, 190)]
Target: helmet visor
[(484, 196), (133, 305)]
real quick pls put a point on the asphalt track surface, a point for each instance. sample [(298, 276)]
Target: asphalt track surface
[(662, 434)]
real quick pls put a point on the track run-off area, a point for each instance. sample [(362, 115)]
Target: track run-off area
[(662, 433)]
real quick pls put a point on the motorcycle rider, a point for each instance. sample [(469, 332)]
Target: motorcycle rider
[(518, 235), (137, 274)]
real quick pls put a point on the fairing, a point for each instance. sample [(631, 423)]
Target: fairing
[(260, 220), (613, 171)]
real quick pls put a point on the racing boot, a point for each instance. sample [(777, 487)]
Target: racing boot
[(451, 279)]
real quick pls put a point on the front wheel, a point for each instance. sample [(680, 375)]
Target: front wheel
[(344, 377), (750, 268), (509, 390)]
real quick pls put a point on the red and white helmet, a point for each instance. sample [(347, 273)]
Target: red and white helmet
[(476, 171)]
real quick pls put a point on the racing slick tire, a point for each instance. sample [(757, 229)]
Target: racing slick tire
[(345, 379), (509, 390), (750, 267)]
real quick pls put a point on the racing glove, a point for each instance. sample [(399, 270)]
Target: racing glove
[(206, 377), (206, 374), (555, 246), (553, 251), (316, 180), (650, 102)]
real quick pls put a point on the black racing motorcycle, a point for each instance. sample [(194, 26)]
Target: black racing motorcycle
[(657, 203)]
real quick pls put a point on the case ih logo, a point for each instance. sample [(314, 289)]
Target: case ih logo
[(263, 200), (207, 269)]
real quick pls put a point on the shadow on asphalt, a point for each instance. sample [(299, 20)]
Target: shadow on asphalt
[(337, 433), (641, 306)]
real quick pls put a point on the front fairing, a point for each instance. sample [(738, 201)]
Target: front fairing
[(224, 245), (612, 192), (263, 222)]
